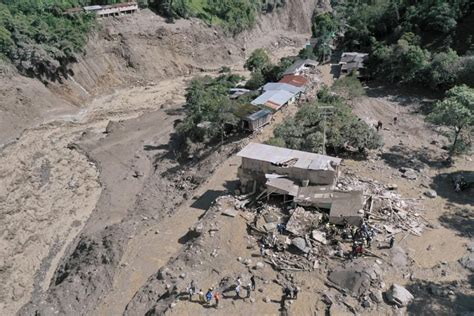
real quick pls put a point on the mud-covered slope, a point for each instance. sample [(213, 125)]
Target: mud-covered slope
[(132, 50), (125, 52)]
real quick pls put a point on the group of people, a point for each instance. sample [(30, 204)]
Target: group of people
[(248, 288), (204, 298)]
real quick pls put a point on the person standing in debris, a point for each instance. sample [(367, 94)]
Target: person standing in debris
[(369, 240), (262, 250), (287, 291), (281, 228), (252, 281), (192, 290), (379, 125), (217, 297), (295, 292), (392, 241), (395, 119), (237, 291), (209, 296), (201, 296), (249, 289)]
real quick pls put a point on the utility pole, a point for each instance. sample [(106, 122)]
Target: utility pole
[(325, 112)]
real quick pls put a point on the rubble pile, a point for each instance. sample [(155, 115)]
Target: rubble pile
[(385, 210)]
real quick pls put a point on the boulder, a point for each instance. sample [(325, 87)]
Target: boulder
[(259, 265), (431, 194), (399, 295), (376, 296)]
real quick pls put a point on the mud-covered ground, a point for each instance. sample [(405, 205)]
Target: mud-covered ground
[(93, 209), (72, 196)]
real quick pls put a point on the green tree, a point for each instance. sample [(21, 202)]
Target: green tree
[(257, 60), (256, 80), (349, 87), (456, 112), (344, 131), (443, 70)]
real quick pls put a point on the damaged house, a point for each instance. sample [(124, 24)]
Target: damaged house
[(259, 160), (307, 178)]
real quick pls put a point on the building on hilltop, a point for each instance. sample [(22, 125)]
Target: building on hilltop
[(106, 10)]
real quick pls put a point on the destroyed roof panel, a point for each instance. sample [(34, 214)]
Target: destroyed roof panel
[(347, 204), (282, 186), (275, 154)]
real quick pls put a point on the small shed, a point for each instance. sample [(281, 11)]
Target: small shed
[(256, 120), (299, 66), (352, 61)]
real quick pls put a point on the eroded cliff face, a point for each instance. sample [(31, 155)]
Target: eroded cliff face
[(133, 50), (141, 51)]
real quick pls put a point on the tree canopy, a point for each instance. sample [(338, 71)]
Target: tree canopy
[(39, 39), (345, 132), (456, 112), (257, 60), (409, 42)]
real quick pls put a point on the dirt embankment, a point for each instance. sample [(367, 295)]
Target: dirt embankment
[(134, 72), (134, 50)]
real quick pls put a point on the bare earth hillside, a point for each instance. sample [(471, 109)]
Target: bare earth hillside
[(70, 194)]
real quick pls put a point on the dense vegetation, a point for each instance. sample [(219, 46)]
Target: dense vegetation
[(38, 38), (456, 112), (409, 42), (263, 70), (345, 133), (210, 114), (233, 15)]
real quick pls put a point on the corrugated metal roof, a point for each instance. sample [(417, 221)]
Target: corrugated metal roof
[(298, 64), (259, 114), (295, 80), (273, 154), (353, 56), (282, 86), (277, 97)]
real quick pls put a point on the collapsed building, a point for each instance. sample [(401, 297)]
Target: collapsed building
[(308, 179)]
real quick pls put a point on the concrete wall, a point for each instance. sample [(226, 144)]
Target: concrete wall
[(317, 177)]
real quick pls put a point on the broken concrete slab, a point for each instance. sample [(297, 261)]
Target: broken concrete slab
[(269, 227), (319, 236), (301, 221), (231, 212), (300, 243), (399, 295)]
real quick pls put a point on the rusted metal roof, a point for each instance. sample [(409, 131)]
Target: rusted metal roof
[(294, 80)]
